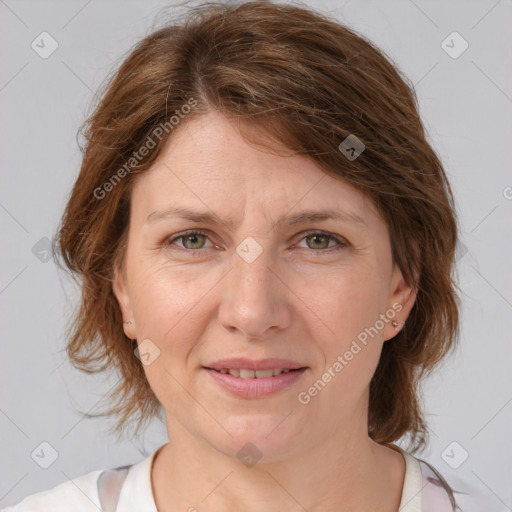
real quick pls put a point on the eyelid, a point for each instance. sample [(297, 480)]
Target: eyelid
[(341, 241), (168, 241)]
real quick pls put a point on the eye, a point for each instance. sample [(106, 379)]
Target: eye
[(191, 240), (194, 241), (320, 241)]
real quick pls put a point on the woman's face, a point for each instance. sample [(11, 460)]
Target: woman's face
[(256, 282)]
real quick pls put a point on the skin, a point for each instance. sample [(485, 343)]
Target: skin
[(300, 300)]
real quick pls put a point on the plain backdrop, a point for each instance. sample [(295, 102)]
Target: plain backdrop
[(466, 103)]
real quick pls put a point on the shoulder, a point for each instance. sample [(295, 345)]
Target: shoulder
[(440, 496), (79, 494), (128, 487)]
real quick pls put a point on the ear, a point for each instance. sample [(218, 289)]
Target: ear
[(120, 289), (401, 301)]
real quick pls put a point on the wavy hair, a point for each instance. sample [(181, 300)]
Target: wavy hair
[(309, 81)]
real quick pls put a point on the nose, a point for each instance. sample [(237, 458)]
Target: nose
[(255, 299)]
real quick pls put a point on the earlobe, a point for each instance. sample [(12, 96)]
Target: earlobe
[(403, 297), (121, 293)]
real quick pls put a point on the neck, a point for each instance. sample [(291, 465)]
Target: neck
[(336, 473)]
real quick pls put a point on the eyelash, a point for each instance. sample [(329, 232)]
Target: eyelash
[(341, 243)]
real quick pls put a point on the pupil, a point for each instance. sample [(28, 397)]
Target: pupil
[(317, 237), (193, 239)]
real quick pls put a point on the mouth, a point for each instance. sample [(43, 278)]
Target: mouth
[(246, 373), (252, 384)]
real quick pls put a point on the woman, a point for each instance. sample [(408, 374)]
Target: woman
[(266, 243)]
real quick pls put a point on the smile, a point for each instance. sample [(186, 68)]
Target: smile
[(245, 383), (244, 373)]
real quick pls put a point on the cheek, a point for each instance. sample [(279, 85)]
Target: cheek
[(170, 310), (170, 313), (166, 295), (350, 306), (349, 302)]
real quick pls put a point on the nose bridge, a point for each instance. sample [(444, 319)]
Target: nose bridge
[(253, 298), (252, 276), (252, 267)]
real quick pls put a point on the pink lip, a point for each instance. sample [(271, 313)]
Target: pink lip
[(251, 364), (255, 388)]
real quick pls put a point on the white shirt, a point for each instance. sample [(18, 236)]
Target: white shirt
[(130, 488)]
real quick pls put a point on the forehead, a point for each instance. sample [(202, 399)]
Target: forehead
[(208, 164)]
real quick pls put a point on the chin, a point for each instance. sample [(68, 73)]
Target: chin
[(264, 437)]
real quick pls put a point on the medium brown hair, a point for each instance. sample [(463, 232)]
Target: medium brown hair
[(309, 82)]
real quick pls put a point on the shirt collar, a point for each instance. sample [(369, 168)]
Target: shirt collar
[(412, 490), (137, 492)]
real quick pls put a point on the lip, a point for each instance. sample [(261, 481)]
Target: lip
[(255, 388), (252, 364)]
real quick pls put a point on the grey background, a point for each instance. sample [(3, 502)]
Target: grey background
[(466, 104)]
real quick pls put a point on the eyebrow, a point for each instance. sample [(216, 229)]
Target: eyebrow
[(291, 219)]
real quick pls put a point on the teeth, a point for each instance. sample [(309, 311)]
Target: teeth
[(253, 374), (264, 373)]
